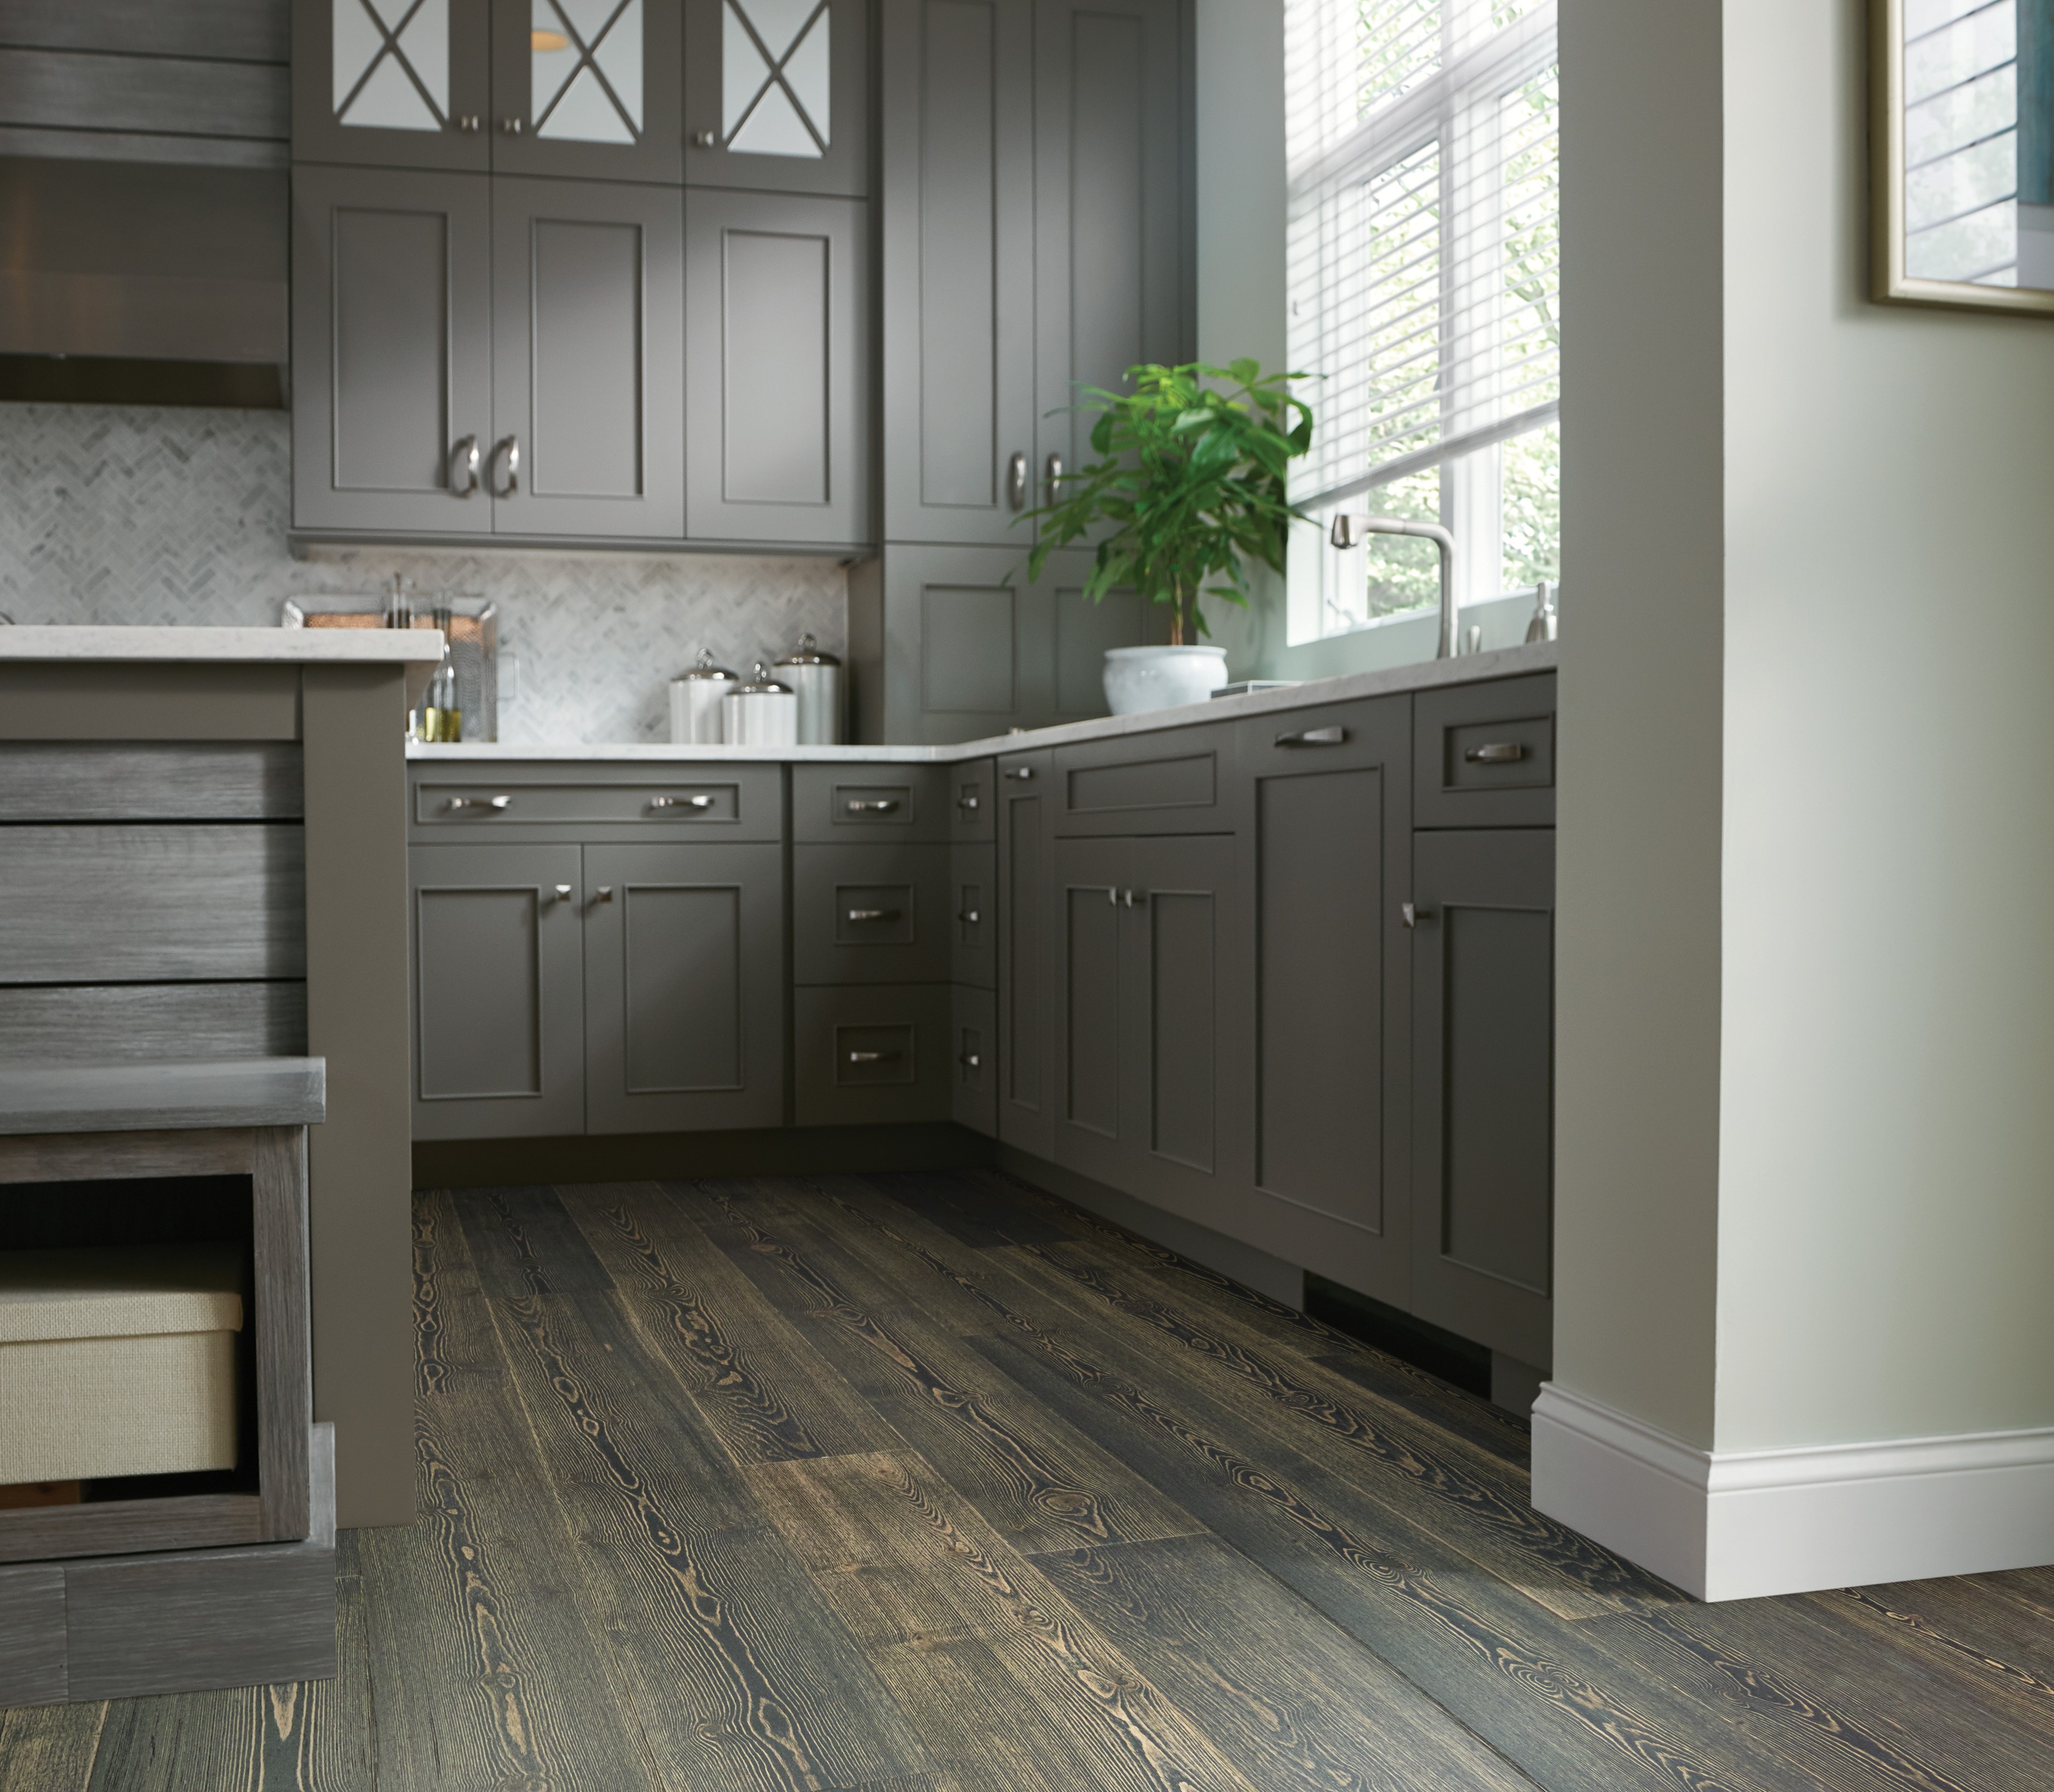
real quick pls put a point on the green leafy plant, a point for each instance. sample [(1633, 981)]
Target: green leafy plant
[(1190, 476)]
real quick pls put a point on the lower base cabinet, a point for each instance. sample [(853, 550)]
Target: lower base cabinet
[(1483, 984), (974, 1093), (866, 1055)]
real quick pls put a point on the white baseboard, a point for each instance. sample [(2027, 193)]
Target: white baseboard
[(1743, 1524)]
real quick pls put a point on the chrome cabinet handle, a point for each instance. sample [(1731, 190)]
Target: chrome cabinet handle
[(1314, 737), (1128, 897), (1016, 482), (562, 894), (463, 463), (1413, 915), (1054, 476), (1112, 896), (467, 123), (882, 806), (681, 802), (873, 1057), (874, 914), (968, 917), (1496, 752), (1024, 773), (512, 126), (705, 140), (604, 894), (480, 802), (972, 1061), (508, 450)]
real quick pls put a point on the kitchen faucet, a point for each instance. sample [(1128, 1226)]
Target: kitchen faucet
[(1349, 532)]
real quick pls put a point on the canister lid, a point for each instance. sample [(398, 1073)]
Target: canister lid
[(761, 684), (808, 653), (706, 668)]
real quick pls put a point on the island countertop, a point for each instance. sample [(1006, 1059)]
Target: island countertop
[(419, 651), (1505, 662)]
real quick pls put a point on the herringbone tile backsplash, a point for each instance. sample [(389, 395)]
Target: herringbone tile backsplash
[(116, 514)]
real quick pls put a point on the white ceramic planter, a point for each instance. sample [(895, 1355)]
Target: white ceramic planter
[(1138, 679)]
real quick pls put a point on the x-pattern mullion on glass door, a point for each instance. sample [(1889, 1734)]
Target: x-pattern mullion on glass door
[(587, 54), (391, 47), (776, 64)]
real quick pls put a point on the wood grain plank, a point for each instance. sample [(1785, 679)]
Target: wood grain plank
[(64, 90), (1042, 1485), (1293, 1700), (762, 1389), (758, 1684), (129, 1022), (134, 780), (32, 1635), (1009, 1681), (523, 1243), (51, 1748), (489, 1652), (2006, 1641)]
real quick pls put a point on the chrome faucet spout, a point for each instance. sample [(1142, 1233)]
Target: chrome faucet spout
[(1351, 531)]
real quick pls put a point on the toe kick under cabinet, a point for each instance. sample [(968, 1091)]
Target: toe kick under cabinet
[(596, 949)]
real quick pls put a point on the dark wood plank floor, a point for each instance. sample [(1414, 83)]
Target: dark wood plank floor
[(934, 1484)]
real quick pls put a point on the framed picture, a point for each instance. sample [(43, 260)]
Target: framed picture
[(1963, 141)]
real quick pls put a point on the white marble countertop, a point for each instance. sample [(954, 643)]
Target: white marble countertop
[(1505, 662), (217, 646)]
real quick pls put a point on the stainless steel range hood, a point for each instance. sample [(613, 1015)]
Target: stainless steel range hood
[(143, 283)]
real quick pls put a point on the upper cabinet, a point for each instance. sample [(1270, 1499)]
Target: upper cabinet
[(394, 84), (776, 95), (588, 88)]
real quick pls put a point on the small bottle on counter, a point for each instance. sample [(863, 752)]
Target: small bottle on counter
[(441, 718)]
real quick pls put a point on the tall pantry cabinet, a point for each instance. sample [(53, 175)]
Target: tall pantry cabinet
[(494, 332), (1033, 243)]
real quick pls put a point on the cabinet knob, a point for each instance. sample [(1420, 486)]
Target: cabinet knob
[(1413, 915), (874, 914), (512, 126), (1314, 737), (480, 802), (467, 123), (1024, 773), (563, 892), (681, 802), (971, 1060), (604, 894), (463, 464), (968, 917), (1016, 481), (1496, 752), (705, 140), (967, 802), (508, 453)]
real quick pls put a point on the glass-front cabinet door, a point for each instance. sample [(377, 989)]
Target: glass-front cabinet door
[(393, 84), (588, 88), (776, 95)]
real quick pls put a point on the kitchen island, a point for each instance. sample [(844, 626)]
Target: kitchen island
[(207, 862)]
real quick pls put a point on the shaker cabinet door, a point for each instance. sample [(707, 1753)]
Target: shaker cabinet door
[(498, 1011), (391, 350), (1483, 988), (390, 84), (589, 89), (588, 307), (777, 95), (1026, 1113), (1108, 266), (776, 369), (959, 248), (684, 987)]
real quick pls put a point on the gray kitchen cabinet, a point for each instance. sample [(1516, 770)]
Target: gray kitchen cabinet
[(1109, 253), (1483, 1045), (974, 1093), (368, 96), (588, 329), (972, 916), (1483, 755), (522, 87), (1150, 1022), (958, 250), (1026, 941), (777, 95), (589, 89), (870, 1054), (498, 952), (873, 911), (777, 369), (684, 987), (391, 349), (954, 644), (833, 803), (1324, 796)]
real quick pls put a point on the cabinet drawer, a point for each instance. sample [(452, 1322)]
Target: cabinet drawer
[(972, 916), (1483, 755), (872, 1056), (1176, 782), (734, 803), (972, 807), (871, 912), (833, 803), (973, 1070)]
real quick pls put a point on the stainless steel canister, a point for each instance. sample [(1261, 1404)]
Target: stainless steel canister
[(816, 681), (695, 695), (762, 713)]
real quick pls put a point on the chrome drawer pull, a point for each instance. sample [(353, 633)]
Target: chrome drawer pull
[(1496, 752), (967, 802), (873, 1057), (1024, 773), (972, 1061), (881, 806), (563, 893), (681, 802), (874, 914), (1412, 916), (968, 917), (479, 802), (604, 894), (1314, 737)]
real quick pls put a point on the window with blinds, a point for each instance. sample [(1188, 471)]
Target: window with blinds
[(1425, 277)]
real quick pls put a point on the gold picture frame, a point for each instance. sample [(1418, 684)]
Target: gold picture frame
[(1891, 281)]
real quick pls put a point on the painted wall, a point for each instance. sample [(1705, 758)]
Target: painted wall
[(118, 514), (1886, 1215), (1638, 916)]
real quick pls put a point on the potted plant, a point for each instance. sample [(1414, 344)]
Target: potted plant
[(1190, 478)]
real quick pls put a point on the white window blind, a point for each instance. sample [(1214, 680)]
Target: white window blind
[(1425, 271)]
